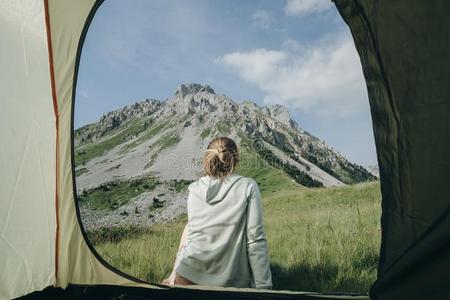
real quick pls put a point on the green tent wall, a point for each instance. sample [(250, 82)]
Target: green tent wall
[(404, 51)]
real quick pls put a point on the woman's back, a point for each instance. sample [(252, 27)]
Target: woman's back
[(226, 243)]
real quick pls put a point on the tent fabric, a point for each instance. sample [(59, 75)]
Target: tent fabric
[(27, 160), (115, 292), (41, 242), (77, 263), (403, 46)]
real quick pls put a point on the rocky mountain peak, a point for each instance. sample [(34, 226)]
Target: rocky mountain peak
[(275, 111), (113, 119), (251, 105), (192, 89), (280, 113), (194, 97), (143, 137)]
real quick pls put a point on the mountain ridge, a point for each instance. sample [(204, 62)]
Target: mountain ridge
[(134, 164), (166, 139)]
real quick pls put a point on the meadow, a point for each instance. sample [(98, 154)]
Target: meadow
[(320, 239)]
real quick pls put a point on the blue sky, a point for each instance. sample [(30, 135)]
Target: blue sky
[(298, 53)]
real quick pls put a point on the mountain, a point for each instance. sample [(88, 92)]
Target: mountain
[(165, 140), (374, 170)]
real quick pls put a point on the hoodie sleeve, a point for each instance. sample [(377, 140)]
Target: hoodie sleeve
[(257, 248)]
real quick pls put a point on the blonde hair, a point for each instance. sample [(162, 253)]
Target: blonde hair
[(221, 157)]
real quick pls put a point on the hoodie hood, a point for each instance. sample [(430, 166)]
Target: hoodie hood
[(216, 189)]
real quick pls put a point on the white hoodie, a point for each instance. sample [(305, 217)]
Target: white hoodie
[(226, 241)]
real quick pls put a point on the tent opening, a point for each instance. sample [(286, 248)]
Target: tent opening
[(157, 81)]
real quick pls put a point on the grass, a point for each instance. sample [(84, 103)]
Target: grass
[(268, 170), (180, 184), (145, 253), (169, 140), (149, 133), (90, 151), (320, 239), (269, 178), (151, 161), (112, 195), (205, 133), (298, 175), (326, 239), (358, 173), (223, 128)]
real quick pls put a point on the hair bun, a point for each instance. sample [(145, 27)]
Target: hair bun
[(221, 157), (221, 149)]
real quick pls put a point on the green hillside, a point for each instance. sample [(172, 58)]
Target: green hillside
[(319, 239), (114, 194)]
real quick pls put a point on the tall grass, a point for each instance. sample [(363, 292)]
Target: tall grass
[(324, 239), (148, 255), (319, 240)]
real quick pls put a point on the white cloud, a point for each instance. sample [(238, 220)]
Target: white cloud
[(262, 18), (306, 7), (324, 78), (254, 66)]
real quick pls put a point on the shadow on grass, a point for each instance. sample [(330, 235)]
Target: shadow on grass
[(324, 279), (305, 278), (116, 234)]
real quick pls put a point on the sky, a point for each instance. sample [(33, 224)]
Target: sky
[(298, 53)]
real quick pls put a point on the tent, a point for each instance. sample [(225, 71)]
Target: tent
[(403, 47)]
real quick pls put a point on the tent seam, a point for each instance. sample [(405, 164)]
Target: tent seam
[(56, 112)]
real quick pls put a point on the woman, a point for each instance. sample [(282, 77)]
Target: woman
[(224, 242)]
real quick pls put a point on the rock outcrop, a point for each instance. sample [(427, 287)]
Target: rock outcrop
[(167, 139)]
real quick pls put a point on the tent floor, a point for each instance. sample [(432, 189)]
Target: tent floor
[(128, 293)]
